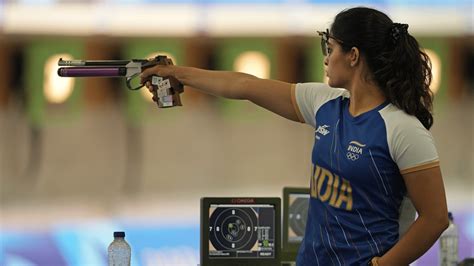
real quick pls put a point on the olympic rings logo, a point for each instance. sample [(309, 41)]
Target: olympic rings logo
[(352, 156)]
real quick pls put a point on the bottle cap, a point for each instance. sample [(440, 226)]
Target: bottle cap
[(119, 234)]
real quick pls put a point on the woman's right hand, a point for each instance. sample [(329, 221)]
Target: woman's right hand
[(158, 70)]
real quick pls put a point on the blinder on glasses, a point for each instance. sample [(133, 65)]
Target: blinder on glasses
[(325, 40)]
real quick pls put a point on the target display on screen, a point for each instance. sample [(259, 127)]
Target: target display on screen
[(240, 231), (297, 214)]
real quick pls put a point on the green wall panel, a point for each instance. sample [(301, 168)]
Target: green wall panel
[(36, 55), (316, 61), (227, 52)]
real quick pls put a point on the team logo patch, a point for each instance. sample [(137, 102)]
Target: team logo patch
[(323, 130), (354, 150)]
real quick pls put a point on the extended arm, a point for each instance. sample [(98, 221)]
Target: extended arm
[(426, 190), (272, 95)]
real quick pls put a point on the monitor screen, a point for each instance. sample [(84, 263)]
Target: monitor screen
[(240, 230), (295, 213)]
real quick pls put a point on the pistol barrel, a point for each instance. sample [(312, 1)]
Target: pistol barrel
[(92, 71)]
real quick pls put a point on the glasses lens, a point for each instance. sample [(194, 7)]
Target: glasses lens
[(324, 46)]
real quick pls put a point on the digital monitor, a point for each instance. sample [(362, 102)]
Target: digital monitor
[(295, 213), (240, 231)]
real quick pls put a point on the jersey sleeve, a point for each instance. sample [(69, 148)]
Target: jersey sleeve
[(411, 145), (307, 98)]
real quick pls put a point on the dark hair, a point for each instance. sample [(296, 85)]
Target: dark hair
[(393, 56)]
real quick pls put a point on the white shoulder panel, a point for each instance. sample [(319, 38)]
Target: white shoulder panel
[(311, 96), (411, 145)]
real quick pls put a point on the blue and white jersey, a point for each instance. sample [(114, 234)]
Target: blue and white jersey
[(356, 183)]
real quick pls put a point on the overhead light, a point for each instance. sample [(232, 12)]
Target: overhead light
[(253, 63), (56, 89), (436, 67)]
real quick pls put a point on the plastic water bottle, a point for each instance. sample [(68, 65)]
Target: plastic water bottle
[(119, 251), (448, 243)]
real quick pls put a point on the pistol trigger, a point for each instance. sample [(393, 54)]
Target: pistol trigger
[(128, 80)]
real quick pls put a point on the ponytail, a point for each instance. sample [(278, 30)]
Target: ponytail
[(404, 75)]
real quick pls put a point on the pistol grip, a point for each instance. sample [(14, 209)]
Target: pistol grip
[(166, 91)]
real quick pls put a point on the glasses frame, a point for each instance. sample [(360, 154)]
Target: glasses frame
[(325, 35)]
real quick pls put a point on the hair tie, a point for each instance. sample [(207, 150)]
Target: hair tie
[(397, 31)]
